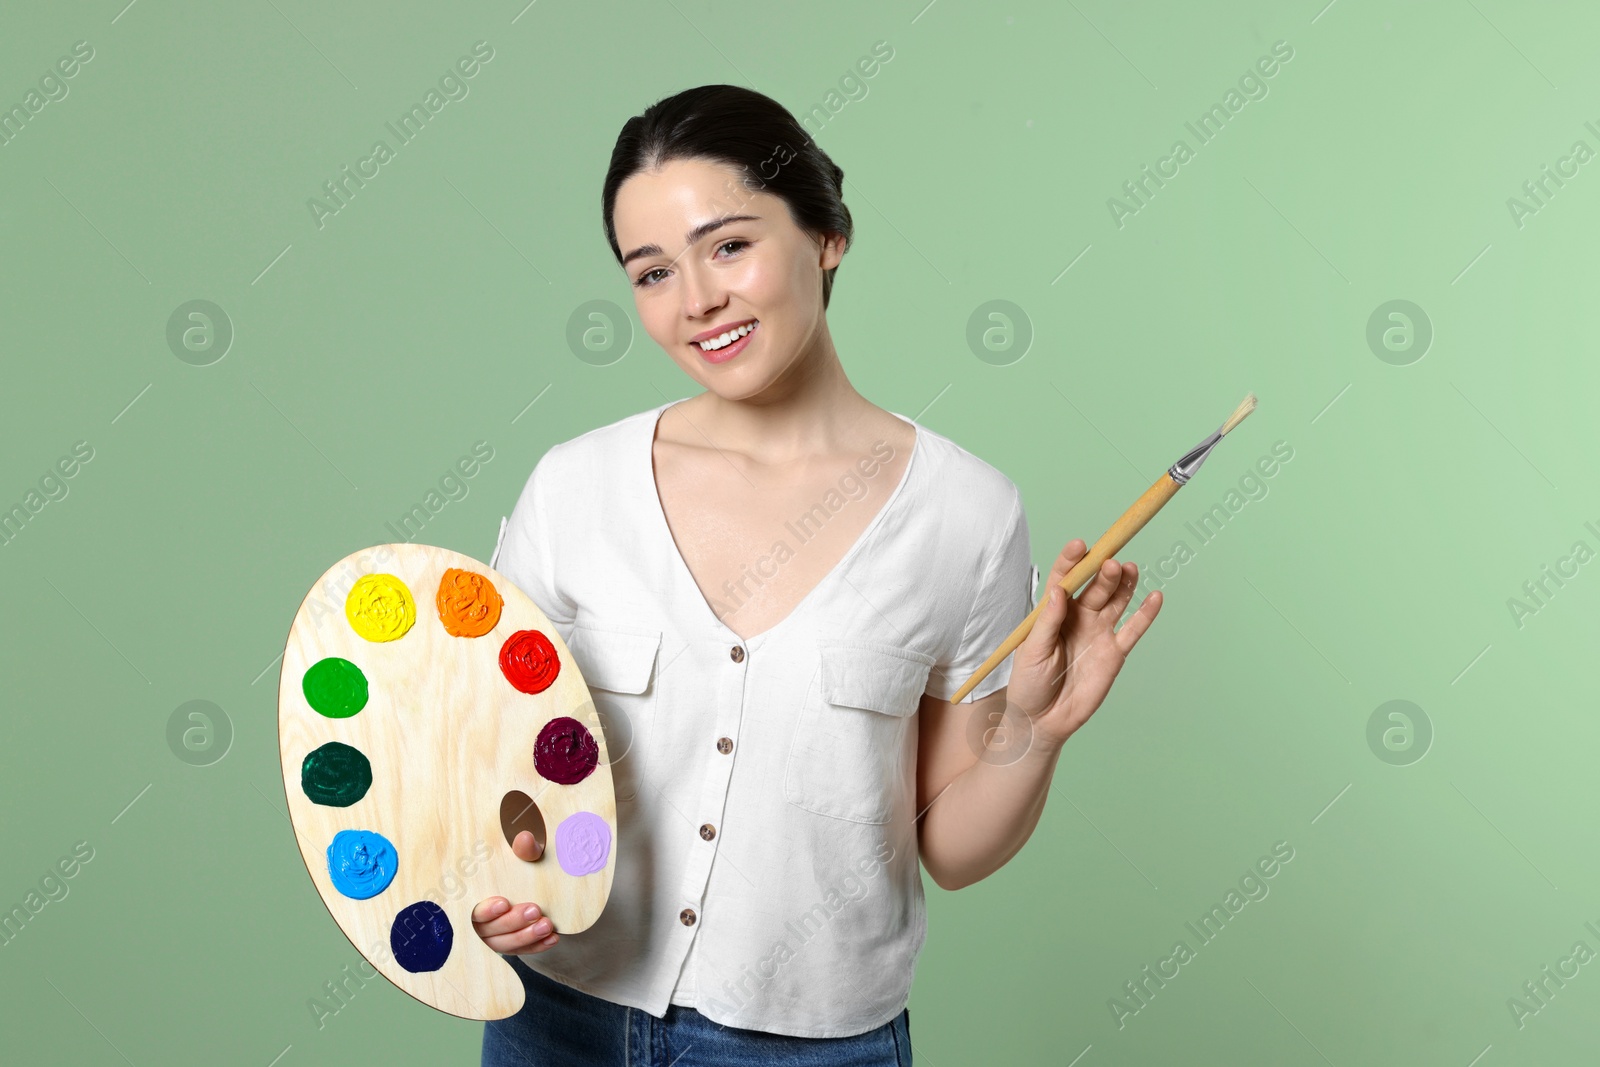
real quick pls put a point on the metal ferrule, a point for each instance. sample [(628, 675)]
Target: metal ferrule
[(1184, 469)]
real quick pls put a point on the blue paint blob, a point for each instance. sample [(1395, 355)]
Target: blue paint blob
[(361, 863), (421, 937)]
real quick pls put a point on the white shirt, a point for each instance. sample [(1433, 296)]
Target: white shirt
[(767, 870)]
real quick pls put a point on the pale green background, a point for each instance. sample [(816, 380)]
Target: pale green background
[(431, 311)]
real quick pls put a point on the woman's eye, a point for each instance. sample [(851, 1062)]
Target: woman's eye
[(726, 244), (645, 280)]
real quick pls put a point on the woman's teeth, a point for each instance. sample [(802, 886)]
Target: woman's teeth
[(726, 339)]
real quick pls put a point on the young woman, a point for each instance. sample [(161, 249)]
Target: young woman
[(772, 589)]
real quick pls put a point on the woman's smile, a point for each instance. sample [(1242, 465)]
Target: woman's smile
[(722, 343)]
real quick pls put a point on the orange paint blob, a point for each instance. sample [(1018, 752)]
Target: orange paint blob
[(469, 604)]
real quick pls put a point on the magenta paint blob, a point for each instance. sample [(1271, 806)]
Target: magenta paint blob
[(566, 752), (583, 843)]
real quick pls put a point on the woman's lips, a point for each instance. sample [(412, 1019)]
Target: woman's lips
[(727, 352)]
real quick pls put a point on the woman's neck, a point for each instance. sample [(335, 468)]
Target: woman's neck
[(807, 410)]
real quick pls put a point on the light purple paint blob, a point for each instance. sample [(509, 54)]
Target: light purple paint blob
[(583, 843)]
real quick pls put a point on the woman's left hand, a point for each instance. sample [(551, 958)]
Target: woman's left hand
[(1065, 666)]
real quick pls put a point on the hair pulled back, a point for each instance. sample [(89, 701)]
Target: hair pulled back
[(748, 131)]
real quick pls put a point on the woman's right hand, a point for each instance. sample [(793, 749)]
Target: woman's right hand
[(515, 928)]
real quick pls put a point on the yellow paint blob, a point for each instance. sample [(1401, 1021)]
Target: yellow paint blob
[(380, 607)]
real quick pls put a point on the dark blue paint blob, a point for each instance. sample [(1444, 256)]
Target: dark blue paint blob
[(421, 937)]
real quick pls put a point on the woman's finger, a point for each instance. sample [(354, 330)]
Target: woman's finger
[(1124, 592), (499, 916), (1074, 550), (1101, 586), (532, 940), (1045, 635), (1136, 626), (492, 908)]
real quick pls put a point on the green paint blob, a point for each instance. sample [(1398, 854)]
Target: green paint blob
[(336, 775), (335, 687)]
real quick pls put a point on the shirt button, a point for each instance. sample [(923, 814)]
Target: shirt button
[(737, 653), (686, 916), (724, 745), (708, 831)]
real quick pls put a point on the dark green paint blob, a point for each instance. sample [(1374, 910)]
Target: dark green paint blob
[(335, 687), (336, 775)]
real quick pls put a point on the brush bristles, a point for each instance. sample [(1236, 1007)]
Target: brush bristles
[(1246, 406)]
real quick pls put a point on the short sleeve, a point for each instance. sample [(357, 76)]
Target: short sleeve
[(524, 553), (1005, 597)]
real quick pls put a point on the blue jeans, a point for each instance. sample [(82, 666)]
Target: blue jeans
[(560, 1026)]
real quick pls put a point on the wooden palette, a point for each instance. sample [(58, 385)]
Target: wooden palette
[(402, 735)]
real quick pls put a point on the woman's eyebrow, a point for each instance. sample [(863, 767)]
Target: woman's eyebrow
[(691, 237)]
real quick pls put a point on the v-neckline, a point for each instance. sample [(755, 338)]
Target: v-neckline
[(664, 530)]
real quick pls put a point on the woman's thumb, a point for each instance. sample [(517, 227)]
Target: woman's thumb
[(526, 847), (1047, 627), (1058, 603)]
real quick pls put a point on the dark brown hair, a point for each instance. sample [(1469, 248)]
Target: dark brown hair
[(752, 133)]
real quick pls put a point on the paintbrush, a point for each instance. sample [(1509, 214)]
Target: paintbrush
[(1121, 532)]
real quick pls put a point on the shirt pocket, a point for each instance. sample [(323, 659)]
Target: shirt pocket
[(618, 666), (846, 759)]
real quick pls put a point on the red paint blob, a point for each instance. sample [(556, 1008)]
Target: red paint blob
[(566, 752), (529, 661)]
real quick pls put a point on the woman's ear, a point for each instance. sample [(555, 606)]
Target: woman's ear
[(833, 247)]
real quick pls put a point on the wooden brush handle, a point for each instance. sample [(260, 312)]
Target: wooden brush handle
[(1110, 543)]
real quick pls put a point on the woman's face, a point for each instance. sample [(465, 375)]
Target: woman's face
[(707, 255)]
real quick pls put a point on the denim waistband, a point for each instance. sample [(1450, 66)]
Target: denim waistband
[(560, 1026)]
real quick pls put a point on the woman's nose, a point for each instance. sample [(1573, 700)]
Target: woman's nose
[(701, 292)]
